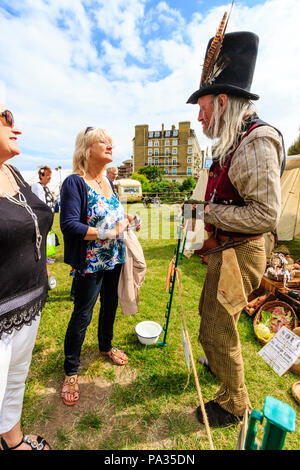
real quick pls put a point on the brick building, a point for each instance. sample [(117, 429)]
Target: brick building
[(125, 170), (176, 151)]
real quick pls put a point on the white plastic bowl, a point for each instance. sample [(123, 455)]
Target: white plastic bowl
[(148, 332)]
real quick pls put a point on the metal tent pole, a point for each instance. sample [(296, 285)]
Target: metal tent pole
[(171, 290)]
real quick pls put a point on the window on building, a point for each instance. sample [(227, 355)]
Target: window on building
[(173, 171), (190, 160), (167, 152), (149, 151), (175, 133), (156, 134), (156, 161), (156, 152), (174, 142), (190, 150), (190, 141), (167, 143), (156, 143), (188, 171), (166, 171), (174, 161), (168, 133), (149, 161), (149, 143), (150, 135), (166, 161), (174, 151)]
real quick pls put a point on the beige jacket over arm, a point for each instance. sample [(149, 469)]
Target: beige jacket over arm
[(132, 275)]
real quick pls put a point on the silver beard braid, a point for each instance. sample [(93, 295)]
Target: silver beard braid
[(228, 128)]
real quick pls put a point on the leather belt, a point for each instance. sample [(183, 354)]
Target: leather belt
[(223, 238)]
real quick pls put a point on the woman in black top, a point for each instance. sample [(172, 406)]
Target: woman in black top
[(24, 224)]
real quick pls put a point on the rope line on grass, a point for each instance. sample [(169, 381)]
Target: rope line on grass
[(179, 278)]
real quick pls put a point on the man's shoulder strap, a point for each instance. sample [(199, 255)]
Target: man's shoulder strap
[(112, 185)]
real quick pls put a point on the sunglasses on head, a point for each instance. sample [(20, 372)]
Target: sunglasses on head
[(103, 141), (88, 129), (7, 118)]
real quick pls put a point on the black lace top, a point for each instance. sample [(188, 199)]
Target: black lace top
[(23, 277)]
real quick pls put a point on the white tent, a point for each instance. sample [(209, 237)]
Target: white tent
[(289, 223)]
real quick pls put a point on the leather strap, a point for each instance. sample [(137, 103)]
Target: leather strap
[(224, 238)]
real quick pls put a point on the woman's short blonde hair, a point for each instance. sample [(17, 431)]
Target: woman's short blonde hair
[(84, 141)]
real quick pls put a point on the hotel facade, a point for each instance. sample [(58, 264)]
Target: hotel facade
[(176, 151)]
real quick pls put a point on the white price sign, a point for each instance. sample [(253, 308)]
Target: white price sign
[(282, 351)]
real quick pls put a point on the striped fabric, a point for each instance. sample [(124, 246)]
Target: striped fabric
[(218, 329), (255, 173)]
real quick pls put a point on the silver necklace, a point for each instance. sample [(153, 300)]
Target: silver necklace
[(99, 182), (23, 203)]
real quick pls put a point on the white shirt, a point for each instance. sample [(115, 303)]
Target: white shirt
[(38, 190)]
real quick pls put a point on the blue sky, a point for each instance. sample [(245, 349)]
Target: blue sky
[(67, 64)]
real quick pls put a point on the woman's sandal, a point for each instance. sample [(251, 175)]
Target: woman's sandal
[(117, 356), (71, 386), (39, 443)]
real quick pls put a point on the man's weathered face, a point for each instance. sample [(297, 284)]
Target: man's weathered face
[(205, 116), (113, 174)]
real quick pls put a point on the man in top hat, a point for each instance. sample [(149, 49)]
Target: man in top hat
[(243, 202)]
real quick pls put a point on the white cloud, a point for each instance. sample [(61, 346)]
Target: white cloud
[(66, 65)]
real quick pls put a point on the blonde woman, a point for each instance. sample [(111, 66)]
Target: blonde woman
[(92, 221)]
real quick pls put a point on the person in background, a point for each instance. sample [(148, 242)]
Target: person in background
[(243, 201), (92, 222), (41, 189), (25, 222), (112, 172)]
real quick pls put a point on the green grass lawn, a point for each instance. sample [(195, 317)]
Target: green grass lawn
[(150, 403)]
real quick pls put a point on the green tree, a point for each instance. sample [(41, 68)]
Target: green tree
[(294, 149), (146, 185), (139, 177), (153, 173), (188, 184)]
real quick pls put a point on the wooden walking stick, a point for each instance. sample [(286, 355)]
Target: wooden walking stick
[(179, 277)]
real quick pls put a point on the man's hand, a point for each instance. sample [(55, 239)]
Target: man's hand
[(206, 209)]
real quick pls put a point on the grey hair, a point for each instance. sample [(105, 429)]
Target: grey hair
[(228, 128)]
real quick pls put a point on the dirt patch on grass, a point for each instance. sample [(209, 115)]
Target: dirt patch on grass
[(57, 418)]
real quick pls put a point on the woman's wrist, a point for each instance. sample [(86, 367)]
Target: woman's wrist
[(101, 233)]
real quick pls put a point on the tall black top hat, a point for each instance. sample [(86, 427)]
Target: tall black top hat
[(232, 71)]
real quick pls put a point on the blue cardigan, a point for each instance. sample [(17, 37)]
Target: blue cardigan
[(73, 219)]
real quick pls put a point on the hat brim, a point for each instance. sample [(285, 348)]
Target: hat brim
[(221, 88)]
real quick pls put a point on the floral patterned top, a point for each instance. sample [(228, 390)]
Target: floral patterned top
[(104, 213)]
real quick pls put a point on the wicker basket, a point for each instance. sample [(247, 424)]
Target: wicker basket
[(296, 367), (267, 307), (296, 392), (280, 277)]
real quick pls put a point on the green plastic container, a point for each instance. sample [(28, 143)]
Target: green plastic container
[(51, 244), (280, 419)]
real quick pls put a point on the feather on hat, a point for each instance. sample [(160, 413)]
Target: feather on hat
[(229, 63)]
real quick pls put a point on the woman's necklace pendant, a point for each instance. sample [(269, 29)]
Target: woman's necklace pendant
[(99, 182)]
